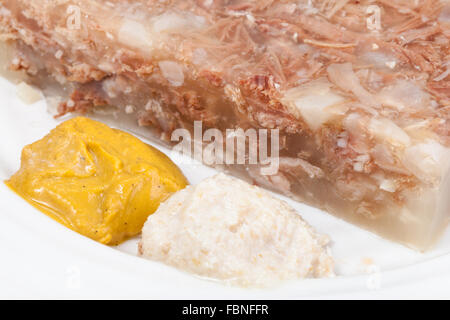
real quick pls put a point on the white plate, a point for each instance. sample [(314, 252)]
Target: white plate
[(41, 259)]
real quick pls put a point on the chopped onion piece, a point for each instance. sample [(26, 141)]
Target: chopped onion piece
[(342, 75), (315, 102), (176, 22), (173, 72), (428, 160), (134, 34), (404, 94), (386, 130), (388, 185), (27, 94)]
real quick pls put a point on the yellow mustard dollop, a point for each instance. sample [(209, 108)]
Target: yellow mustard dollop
[(98, 181)]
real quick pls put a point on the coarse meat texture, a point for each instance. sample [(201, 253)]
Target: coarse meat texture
[(359, 90)]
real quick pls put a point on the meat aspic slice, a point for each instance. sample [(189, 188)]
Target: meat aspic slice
[(358, 91)]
